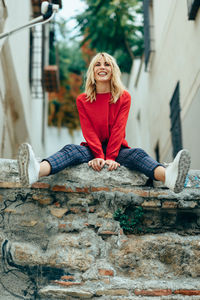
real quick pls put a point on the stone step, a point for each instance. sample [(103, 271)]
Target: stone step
[(123, 288)]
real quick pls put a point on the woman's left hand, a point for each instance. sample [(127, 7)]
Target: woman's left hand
[(113, 165)]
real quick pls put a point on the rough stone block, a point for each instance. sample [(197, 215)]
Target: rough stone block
[(112, 292), (58, 212), (42, 199), (62, 293), (10, 185), (169, 205), (152, 204)]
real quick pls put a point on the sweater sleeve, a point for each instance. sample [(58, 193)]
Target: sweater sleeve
[(118, 130), (88, 131)]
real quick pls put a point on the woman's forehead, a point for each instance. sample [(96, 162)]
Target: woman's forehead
[(102, 58)]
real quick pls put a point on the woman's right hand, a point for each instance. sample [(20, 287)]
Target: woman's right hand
[(97, 164)]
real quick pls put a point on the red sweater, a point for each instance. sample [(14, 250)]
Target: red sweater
[(104, 122)]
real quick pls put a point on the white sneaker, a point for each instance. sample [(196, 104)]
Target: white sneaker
[(177, 171), (29, 167)]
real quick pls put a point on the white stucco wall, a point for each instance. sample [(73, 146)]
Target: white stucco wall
[(176, 58), (14, 83), (19, 14)]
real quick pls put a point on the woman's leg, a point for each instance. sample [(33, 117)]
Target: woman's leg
[(173, 176), (137, 159), (30, 169), (69, 155)]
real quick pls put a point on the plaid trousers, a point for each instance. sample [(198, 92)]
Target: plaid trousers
[(135, 159)]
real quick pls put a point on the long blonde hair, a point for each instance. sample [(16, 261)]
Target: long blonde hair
[(116, 84)]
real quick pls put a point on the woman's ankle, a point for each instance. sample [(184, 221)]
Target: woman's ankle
[(45, 168), (159, 173)]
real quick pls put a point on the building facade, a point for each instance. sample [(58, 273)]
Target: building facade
[(23, 58), (165, 82)]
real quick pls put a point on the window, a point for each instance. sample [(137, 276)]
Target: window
[(157, 152), (148, 31), (176, 132), (193, 6)]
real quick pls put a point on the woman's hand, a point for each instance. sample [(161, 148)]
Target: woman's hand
[(113, 165), (96, 164)]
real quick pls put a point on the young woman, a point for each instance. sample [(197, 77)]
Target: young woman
[(103, 111)]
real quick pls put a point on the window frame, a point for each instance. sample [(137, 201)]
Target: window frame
[(193, 7), (175, 117)]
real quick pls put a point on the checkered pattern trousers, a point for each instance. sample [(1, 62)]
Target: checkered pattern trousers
[(134, 159)]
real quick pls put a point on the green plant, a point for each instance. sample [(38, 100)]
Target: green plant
[(130, 224)]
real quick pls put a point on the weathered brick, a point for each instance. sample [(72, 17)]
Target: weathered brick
[(92, 210), (42, 199), (67, 283), (121, 232), (155, 203), (169, 204), (62, 188), (82, 190), (106, 272), (116, 292), (107, 232), (98, 189), (161, 292), (187, 292), (58, 212), (74, 210), (10, 210), (157, 193), (13, 211), (62, 226), (40, 185), (67, 277), (10, 185)]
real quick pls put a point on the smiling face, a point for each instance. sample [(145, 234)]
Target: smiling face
[(102, 70)]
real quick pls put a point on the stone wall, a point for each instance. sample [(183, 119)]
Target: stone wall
[(59, 239)]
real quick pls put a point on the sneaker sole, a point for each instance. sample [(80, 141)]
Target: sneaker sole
[(183, 168), (23, 160)]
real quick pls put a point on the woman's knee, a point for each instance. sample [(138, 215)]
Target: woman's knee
[(68, 147), (77, 153)]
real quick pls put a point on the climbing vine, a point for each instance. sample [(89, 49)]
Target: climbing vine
[(130, 224)]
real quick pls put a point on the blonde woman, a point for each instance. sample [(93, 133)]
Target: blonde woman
[(103, 111)]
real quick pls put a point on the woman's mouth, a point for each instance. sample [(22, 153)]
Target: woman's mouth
[(102, 73)]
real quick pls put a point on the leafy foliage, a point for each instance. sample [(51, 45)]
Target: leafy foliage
[(114, 26), (68, 56), (130, 225)]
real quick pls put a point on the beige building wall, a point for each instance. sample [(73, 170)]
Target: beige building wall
[(175, 59)]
